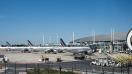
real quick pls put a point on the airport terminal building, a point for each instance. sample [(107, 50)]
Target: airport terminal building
[(112, 42)]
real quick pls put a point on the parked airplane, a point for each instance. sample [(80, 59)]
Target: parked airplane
[(8, 44), (54, 49), (75, 49)]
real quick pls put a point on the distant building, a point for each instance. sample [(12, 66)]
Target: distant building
[(117, 43)]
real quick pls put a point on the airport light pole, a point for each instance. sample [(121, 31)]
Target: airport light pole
[(50, 40), (73, 38), (57, 37), (93, 36), (43, 40), (112, 39)]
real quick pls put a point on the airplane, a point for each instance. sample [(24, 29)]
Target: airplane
[(63, 47), (54, 49), (13, 47)]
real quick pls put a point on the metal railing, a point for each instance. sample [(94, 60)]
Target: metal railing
[(79, 67)]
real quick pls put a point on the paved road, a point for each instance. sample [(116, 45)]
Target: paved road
[(83, 66)]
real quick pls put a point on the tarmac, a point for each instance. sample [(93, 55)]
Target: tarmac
[(35, 57)]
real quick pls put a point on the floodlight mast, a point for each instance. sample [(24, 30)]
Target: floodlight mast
[(43, 41), (112, 35), (57, 37), (93, 36), (73, 36)]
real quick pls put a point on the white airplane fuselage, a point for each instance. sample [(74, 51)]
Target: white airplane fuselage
[(70, 49)]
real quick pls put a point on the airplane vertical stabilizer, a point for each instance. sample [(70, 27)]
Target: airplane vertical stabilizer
[(8, 44), (62, 42), (29, 43)]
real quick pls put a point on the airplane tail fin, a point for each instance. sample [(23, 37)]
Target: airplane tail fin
[(8, 44), (62, 42), (29, 43)]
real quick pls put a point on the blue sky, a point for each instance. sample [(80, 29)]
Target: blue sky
[(30, 19)]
